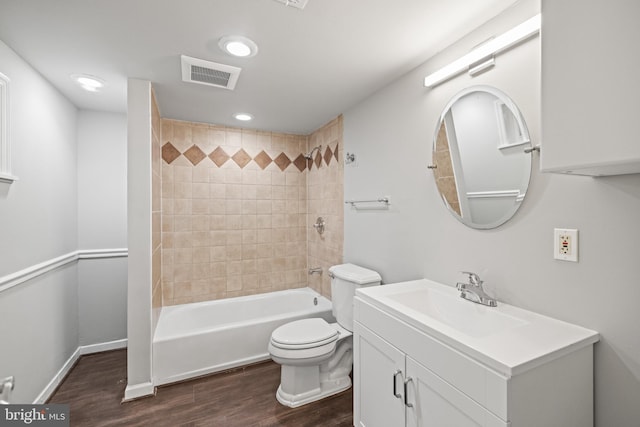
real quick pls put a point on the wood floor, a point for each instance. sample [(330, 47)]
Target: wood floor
[(244, 397)]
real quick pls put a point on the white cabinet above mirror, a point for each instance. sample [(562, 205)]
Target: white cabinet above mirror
[(590, 88)]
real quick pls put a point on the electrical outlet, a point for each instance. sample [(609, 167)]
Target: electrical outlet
[(565, 244)]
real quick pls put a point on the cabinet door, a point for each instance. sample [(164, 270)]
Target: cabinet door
[(590, 93), (435, 403), (378, 370)]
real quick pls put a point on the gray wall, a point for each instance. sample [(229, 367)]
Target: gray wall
[(102, 180), (391, 134), (71, 195), (38, 212), (39, 326), (102, 224)]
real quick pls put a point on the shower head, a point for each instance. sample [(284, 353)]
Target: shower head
[(310, 153)]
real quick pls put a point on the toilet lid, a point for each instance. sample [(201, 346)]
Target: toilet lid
[(304, 333)]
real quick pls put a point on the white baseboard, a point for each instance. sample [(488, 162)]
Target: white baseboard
[(104, 346), (136, 391), (57, 379), (80, 351)]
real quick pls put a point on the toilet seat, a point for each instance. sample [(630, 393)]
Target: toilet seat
[(303, 342), (304, 334)]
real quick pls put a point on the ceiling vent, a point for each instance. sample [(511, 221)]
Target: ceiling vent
[(208, 73), (300, 4)]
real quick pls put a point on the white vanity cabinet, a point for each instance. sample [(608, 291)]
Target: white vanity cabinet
[(378, 384), (407, 373), (393, 389)]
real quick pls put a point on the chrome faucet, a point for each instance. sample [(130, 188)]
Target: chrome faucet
[(473, 291)]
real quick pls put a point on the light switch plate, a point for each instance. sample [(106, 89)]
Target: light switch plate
[(565, 244)]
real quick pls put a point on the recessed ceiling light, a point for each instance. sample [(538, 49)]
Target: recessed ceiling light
[(88, 83), (243, 117), (238, 46)]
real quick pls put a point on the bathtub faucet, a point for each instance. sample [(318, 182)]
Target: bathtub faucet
[(315, 270)]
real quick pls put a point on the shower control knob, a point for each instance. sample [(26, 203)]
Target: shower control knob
[(319, 225)]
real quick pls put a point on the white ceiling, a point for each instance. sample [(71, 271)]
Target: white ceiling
[(312, 65)]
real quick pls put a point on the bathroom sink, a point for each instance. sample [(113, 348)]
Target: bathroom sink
[(506, 338), (447, 307)]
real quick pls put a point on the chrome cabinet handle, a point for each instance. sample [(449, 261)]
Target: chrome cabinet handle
[(406, 402), (395, 390)]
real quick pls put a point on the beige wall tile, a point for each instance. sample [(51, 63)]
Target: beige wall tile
[(218, 287), (199, 206), (217, 175), (201, 255), (217, 253), (233, 137), (234, 237), (218, 270), (263, 235), (236, 229), (234, 268), (249, 237), (234, 252), (233, 207), (234, 222), (234, 283)]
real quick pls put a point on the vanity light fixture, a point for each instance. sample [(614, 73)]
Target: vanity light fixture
[(243, 117), (88, 82), (480, 58), (482, 66), (239, 46)]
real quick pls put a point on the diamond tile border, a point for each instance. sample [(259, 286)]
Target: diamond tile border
[(328, 154), (169, 153), (219, 157), (282, 161), (300, 162), (194, 154), (262, 159), (242, 158)]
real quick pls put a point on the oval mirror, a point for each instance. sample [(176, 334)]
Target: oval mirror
[(482, 171)]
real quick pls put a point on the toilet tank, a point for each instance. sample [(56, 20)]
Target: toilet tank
[(345, 279)]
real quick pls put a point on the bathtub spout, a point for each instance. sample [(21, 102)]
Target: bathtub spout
[(315, 270)]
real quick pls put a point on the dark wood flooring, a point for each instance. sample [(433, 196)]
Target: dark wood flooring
[(244, 397)]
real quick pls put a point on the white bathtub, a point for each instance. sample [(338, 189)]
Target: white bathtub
[(201, 338)]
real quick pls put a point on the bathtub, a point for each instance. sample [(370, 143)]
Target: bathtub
[(205, 337)]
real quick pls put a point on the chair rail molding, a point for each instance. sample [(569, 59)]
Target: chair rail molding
[(14, 279)]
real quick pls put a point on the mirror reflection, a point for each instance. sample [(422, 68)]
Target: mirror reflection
[(481, 169)]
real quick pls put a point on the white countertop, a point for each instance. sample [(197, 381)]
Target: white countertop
[(521, 341)]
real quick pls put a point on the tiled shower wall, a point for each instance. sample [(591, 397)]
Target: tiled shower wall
[(233, 212), (325, 199)]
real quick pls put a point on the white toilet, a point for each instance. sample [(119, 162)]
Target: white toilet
[(317, 356)]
